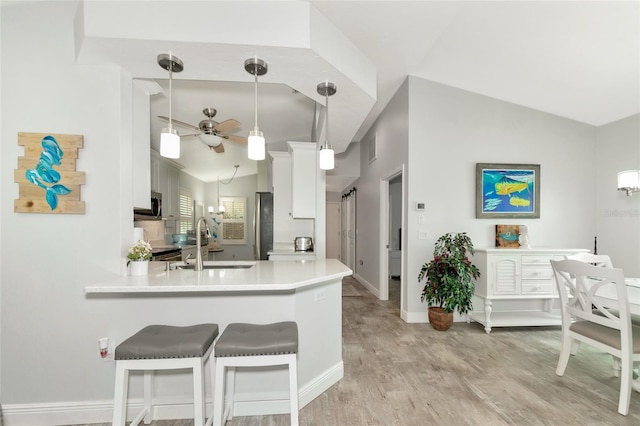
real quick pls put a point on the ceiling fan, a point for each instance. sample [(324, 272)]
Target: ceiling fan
[(211, 132)]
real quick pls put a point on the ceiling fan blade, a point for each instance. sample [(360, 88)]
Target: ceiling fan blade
[(219, 149), (187, 135), (180, 123), (227, 126), (234, 138)]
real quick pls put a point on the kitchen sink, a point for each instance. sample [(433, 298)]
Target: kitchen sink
[(215, 265)]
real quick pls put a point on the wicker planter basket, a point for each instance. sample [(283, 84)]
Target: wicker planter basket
[(439, 319)]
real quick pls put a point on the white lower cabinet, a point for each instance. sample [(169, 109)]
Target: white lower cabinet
[(519, 279)]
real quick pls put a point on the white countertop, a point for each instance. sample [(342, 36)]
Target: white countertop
[(263, 276)]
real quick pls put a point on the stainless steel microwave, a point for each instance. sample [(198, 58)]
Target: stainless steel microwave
[(154, 213)]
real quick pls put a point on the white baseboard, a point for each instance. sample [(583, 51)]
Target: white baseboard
[(84, 412), (374, 290)]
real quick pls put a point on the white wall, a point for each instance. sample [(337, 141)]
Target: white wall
[(49, 327), (618, 216)]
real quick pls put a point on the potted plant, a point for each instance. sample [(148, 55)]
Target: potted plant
[(138, 256), (450, 277)]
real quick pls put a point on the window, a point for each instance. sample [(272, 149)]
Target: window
[(186, 211), (234, 220)]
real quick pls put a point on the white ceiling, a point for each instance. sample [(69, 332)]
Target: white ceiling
[(574, 59)]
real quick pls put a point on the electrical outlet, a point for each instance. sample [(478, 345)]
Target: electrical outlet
[(319, 295), (422, 235)]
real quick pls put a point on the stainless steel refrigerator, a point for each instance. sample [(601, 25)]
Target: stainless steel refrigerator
[(263, 225)]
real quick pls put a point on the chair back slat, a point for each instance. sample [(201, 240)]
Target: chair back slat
[(601, 260)]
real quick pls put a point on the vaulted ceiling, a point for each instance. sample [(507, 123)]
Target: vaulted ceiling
[(574, 59)]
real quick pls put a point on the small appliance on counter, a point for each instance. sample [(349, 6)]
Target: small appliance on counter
[(303, 244)]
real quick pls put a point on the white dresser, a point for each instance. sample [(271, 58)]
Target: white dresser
[(514, 276)]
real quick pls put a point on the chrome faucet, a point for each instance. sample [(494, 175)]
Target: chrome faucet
[(202, 219)]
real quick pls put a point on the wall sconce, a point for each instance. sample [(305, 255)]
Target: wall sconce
[(327, 159), (210, 210), (629, 181), (256, 148), (169, 138)]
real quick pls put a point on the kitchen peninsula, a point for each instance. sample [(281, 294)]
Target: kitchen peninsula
[(308, 292)]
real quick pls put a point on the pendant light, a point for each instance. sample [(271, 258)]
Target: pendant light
[(327, 160), (256, 149), (169, 138)]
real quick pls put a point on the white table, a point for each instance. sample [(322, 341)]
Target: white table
[(608, 297)]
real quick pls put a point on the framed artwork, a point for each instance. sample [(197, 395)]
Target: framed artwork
[(508, 236), (507, 190), (47, 179)]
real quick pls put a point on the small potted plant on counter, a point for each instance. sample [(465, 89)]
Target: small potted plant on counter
[(450, 277), (138, 257)]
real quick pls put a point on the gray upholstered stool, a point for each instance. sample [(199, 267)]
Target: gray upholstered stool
[(255, 345), (163, 347)]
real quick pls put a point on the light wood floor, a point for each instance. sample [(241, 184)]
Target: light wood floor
[(409, 374)]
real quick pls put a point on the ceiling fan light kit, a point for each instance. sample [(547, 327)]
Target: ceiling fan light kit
[(327, 154), (169, 138), (256, 147)]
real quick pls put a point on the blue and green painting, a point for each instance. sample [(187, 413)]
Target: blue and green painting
[(44, 175), (508, 191)]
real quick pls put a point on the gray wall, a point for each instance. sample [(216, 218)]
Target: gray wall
[(449, 131), (618, 216), (391, 133)]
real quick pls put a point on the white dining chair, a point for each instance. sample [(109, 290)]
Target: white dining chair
[(602, 260), (584, 319)]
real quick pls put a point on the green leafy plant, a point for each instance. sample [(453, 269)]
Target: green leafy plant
[(139, 252), (450, 274)]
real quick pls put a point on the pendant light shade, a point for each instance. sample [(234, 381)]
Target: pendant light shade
[(327, 154), (169, 143), (256, 146), (169, 138), (327, 161)]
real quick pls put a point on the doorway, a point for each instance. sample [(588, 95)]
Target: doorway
[(348, 226), (392, 223)]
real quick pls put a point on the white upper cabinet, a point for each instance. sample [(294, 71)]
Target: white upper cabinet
[(303, 179), (141, 134)]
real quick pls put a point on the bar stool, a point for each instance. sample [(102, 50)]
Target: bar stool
[(163, 347), (255, 345)]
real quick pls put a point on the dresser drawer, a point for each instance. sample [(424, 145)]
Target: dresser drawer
[(537, 286), (536, 272), (536, 260)]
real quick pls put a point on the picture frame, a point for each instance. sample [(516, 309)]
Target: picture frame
[(507, 190)]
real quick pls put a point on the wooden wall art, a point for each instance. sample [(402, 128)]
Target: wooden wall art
[(46, 175)]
